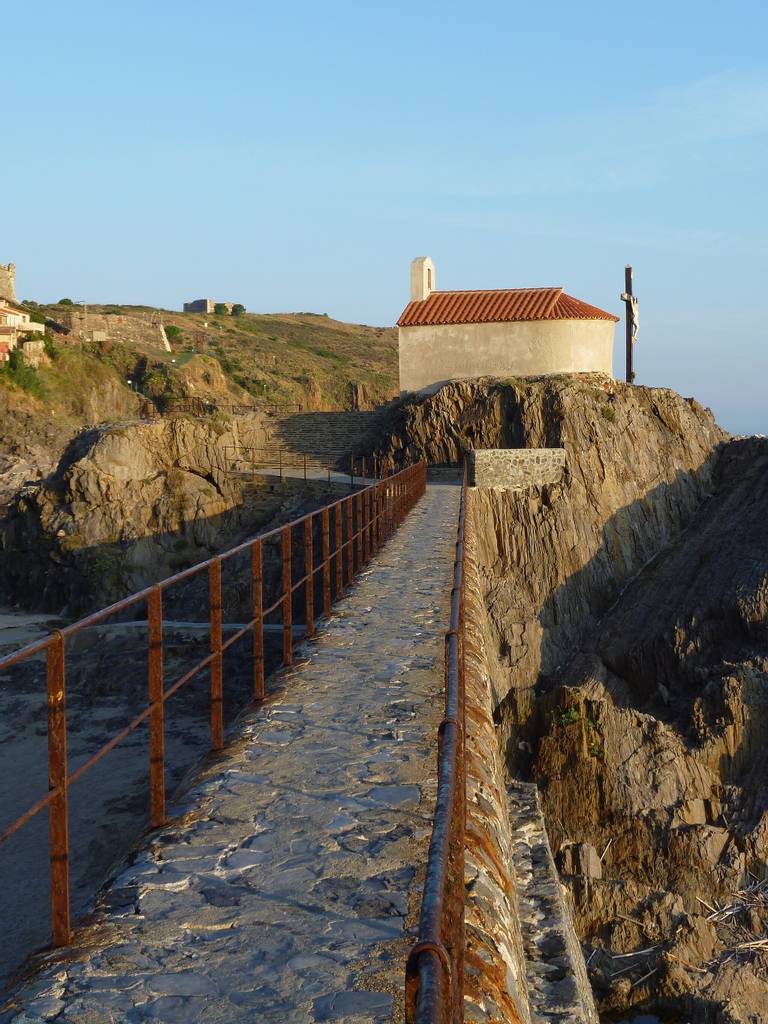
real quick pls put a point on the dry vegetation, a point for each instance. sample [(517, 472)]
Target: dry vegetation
[(286, 358), (282, 359)]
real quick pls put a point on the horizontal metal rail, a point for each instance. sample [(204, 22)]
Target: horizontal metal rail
[(256, 459), (434, 973), (350, 531)]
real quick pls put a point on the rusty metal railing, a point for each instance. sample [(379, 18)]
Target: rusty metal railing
[(434, 974), (347, 532), (255, 460)]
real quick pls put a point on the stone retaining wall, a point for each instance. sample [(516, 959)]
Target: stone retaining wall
[(523, 960), (137, 328), (515, 468)]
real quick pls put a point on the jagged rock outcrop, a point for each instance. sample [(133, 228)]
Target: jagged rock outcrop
[(556, 557), (127, 504)]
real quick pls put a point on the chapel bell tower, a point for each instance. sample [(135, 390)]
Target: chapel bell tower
[(422, 278)]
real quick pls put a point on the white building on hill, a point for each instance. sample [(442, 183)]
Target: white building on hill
[(15, 324)]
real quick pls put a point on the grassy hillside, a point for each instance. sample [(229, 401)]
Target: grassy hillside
[(282, 359), (296, 356)]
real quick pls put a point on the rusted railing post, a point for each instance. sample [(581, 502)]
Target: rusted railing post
[(309, 582), (157, 709), (339, 554), (380, 506), (366, 526), (326, 561), (287, 597), (217, 665), (372, 518), (257, 595), (58, 817), (350, 542), (359, 530), (305, 468), (385, 515)]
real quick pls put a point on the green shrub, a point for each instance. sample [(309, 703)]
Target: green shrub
[(172, 332), (153, 382), (66, 302), (49, 347), (23, 376), (104, 566), (569, 717), (608, 413), (220, 309), (238, 309)]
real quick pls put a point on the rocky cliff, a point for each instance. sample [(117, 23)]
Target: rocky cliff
[(652, 749), (126, 505), (627, 649)]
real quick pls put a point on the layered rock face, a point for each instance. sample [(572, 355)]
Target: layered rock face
[(653, 750), (126, 506), (627, 648)]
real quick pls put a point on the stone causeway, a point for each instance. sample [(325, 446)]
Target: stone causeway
[(286, 886)]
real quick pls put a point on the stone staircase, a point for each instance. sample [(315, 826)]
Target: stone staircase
[(325, 438)]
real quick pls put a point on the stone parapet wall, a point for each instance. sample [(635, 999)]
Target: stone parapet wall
[(495, 982), (524, 964), (515, 468)]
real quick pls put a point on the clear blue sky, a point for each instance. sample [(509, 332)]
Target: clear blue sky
[(296, 156)]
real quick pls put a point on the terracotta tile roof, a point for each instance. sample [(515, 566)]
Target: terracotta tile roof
[(497, 305)]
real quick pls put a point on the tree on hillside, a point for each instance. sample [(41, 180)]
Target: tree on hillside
[(66, 302), (220, 309), (238, 309)]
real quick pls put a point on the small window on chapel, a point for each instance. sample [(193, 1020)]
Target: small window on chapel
[(429, 278)]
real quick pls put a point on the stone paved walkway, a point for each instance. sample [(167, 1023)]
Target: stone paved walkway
[(286, 891)]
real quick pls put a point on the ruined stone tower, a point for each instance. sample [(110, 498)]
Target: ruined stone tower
[(8, 281)]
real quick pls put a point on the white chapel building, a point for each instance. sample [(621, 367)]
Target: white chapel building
[(510, 332)]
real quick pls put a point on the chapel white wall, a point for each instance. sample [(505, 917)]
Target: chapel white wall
[(432, 355)]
